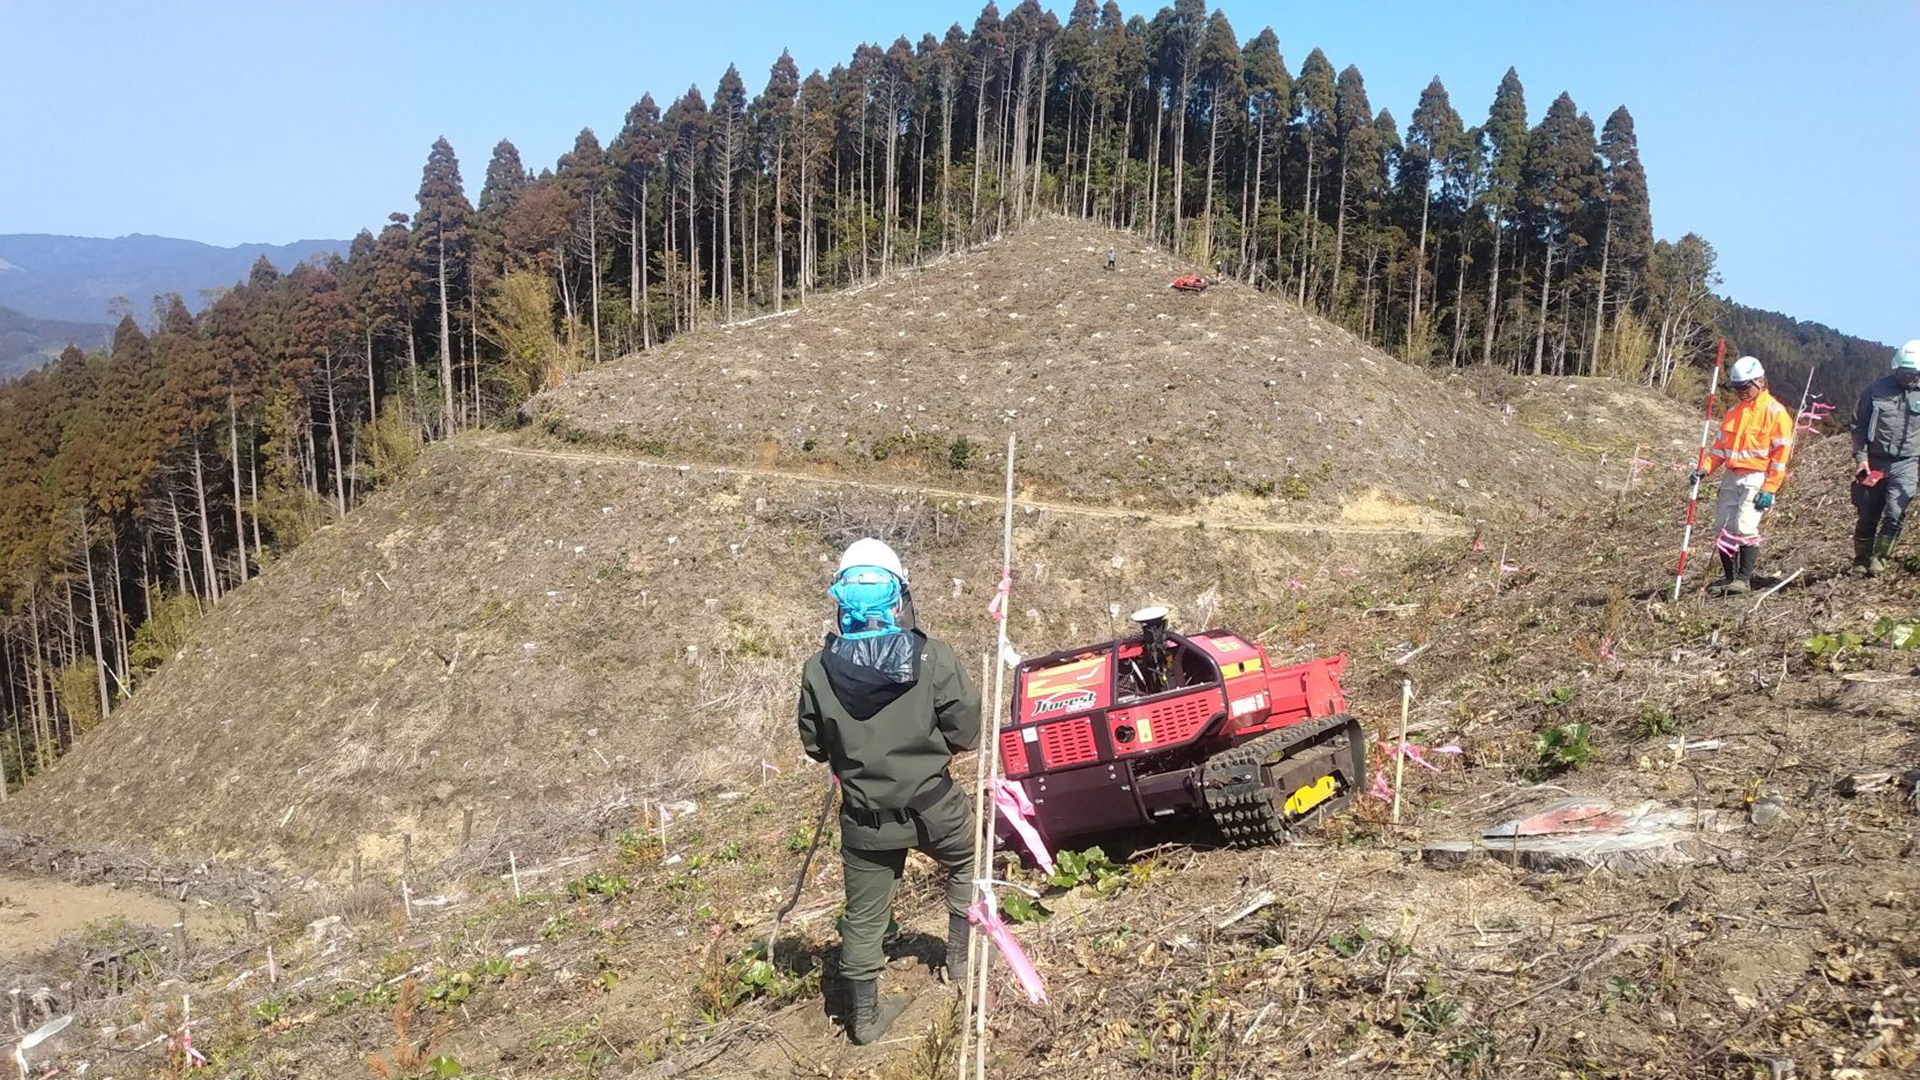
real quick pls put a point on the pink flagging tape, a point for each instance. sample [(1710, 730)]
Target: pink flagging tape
[(988, 919), (1383, 788), (1017, 811), (1730, 542), (997, 607)]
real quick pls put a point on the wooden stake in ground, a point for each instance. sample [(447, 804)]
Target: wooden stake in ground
[(513, 867), (993, 763), (975, 942), (1400, 748)]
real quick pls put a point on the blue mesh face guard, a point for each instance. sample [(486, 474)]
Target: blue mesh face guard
[(869, 599)]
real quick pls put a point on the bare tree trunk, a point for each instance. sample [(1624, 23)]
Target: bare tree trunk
[(979, 141), (446, 335), (119, 602), (253, 489), (1546, 290), (1306, 221), (179, 543), (1600, 305), (1493, 289), (1249, 235), (1040, 124), (1120, 161), (1339, 234), (1153, 171), (1420, 258), (780, 226), (333, 440), (593, 267), (373, 391), (920, 189), (640, 243), (93, 616), (233, 452), (1206, 212), (1459, 304), (1179, 121)]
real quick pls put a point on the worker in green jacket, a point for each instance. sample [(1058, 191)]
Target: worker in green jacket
[(887, 708)]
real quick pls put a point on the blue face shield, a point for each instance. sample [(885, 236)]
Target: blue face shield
[(869, 600)]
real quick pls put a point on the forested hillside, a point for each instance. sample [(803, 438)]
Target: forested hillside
[(143, 483), (1839, 363)]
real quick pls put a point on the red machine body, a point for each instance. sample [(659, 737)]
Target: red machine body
[(1136, 730)]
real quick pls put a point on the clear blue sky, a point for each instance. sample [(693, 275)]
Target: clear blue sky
[(1786, 133)]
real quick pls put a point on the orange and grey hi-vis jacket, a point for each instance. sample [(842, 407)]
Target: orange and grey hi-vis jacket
[(1755, 436)]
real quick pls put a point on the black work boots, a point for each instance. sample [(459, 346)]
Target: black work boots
[(1737, 571), (959, 941), (870, 1016)]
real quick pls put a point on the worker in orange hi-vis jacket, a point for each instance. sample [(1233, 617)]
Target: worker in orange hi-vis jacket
[(1755, 441)]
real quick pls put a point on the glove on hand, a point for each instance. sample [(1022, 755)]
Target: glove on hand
[(1861, 468), (1763, 501), (1695, 477)]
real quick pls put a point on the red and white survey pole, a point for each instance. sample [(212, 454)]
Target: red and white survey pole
[(1699, 465)]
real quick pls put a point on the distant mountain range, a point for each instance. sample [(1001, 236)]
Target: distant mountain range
[(60, 288), (27, 342)]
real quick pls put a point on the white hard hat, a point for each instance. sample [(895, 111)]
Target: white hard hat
[(1907, 357), (870, 552), (1745, 370)]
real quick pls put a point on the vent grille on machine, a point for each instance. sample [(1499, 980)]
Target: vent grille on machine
[(1068, 742)]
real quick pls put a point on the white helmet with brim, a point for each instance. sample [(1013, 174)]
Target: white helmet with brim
[(1906, 358), (868, 551), (1746, 370)]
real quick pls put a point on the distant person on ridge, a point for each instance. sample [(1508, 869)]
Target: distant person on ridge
[(887, 708), (1110, 256), (1886, 458), (1755, 441)]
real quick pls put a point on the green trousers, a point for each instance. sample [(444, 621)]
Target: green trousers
[(945, 833)]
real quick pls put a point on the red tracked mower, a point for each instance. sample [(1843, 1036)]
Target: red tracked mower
[(1163, 726)]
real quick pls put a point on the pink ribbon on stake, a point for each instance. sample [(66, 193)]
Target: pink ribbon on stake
[(1382, 788), (1017, 810), (987, 917), (997, 607)]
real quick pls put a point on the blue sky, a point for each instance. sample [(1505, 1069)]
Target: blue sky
[(1786, 133)]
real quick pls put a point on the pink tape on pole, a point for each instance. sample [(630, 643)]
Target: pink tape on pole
[(1017, 810), (988, 919), (997, 607)]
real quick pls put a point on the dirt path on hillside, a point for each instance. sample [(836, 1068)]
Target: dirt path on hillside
[(1427, 525), (37, 912)]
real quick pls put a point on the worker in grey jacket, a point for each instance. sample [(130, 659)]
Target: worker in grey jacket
[(1886, 458)]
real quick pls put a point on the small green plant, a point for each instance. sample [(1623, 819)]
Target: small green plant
[(450, 988), (1559, 695), (1090, 867), (1433, 1011), (1022, 908), (442, 1067), (493, 969), (729, 852), (1896, 633), (1657, 720), (558, 925), (959, 453), (601, 884), (1562, 748), (1348, 944), (270, 1010), (1831, 652)]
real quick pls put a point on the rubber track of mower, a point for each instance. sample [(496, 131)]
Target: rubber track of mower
[(1237, 796)]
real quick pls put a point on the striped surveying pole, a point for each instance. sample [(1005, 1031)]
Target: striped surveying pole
[(1699, 465)]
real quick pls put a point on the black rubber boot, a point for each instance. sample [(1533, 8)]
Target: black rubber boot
[(871, 1017), (959, 943), (1727, 575), (1882, 551), (1863, 556), (1743, 571)]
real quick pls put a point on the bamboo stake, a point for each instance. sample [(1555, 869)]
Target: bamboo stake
[(993, 764), (974, 941), (1400, 749)]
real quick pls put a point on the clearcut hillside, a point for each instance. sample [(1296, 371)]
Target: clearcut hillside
[(1124, 391)]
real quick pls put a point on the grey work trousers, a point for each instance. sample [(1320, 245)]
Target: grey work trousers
[(1883, 507)]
